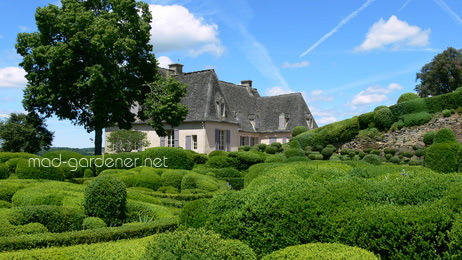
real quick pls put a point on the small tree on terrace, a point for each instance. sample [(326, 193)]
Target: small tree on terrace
[(127, 141)]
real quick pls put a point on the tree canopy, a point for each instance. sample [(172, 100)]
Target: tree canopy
[(127, 141), (89, 62), (24, 133), (442, 75)]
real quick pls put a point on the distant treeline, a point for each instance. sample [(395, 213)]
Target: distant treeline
[(83, 151)]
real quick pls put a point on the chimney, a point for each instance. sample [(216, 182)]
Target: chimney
[(176, 68), (248, 85)]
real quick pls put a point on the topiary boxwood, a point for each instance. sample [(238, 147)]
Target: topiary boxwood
[(327, 153), (442, 155), (372, 159), (428, 138), (294, 149), (28, 169), (93, 223), (321, 251), (384, 118), (196, 244), (176, 157), (407, 97), (106, 198), (298, 130), (221, 162)]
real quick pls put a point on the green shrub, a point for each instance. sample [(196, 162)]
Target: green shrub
[(4, 204), (327, 153), (244, 148), (298, 130), (262, 147), (194, 180), (176, 158), (277, 145), (31, 170), (221, 162), (294, 150), (419, 152), (173, 178), (88, 173), (13, 163), (5, 156), (455, 237), (200, 158), (375, 151), (93, 223), (394, 160), (442, 157), (85, 236), (407, 154), (384, 118), (379, 107), (270, 149), (275, 158), (106, 198), (361, 155), (372, 159), (321, 251), (444, 135), (366, 119), (415, 162), (389, 151), (416, 119), (447, 113), (459, 89), (227, 173), (126, 160), (397, 125), (54, 218), (4, 171), (428, 138), (196, 244), (407, 97), (245, 159), (388, 156), (219, 153)]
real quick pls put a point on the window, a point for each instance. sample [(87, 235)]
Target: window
[(222, 109), (252, 141), (170, 138), (194, 140), (222, 140), (242, 140), (272, 140)]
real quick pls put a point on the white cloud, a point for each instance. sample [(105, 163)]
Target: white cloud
[(326, 120), (394, 33), (23, 28), (7, 99), (317, 95), (277, 90), (164, 61), (374, 94), (316, 92), (442, 4), (12, 77), (4, 115), (295, 64), (174, 28)]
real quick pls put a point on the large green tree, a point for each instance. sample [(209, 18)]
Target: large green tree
[(442, 75), (24, 133), (127, 141), (89, 62)]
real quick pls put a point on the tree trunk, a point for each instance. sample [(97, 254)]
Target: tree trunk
[(98, 140)]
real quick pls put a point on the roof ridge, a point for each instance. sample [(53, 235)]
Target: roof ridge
[(197, 71), (288, 94)]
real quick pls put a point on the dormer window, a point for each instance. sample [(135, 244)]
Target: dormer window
[(221, 108), (310, 122), (283, 121)]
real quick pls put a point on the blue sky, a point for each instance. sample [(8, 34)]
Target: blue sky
[(346, 57)]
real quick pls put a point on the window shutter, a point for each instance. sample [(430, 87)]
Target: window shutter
[(176, 138), (162, 141), (217, 139), (242, 140), (258, 140), (188, 142), (228, 140)]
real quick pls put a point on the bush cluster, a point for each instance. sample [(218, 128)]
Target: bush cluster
[(177, 158), (298, 130), (93, 223), (442, 155), (407, 97), (416, 119)]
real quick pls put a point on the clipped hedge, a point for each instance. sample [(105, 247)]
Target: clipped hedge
[(416, 119), (64, 155), (294, 150), (219, 161), (196, 244), (31, 170), (321, 251), (176, 158), (93, 223), (407, 97), (384, 118), (245, 159), (4, 171), (298, 130), (86, 236), (442, 155), (5, 156)]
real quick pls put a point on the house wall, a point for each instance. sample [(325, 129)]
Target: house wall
[(210, 133), (265, 138)]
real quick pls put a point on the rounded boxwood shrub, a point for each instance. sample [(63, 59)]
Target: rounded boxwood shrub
[(270, 149), (196, 244), (65, 155), (384, 118), (262, 147), (176, 158), (416, 119), (244, 148), (428, 137), (394, 160), (361, 155), (245, 159), (277, 144), (27, 170), (13, 163), (415, 162), (221, 162), (389, 151), (442, 155), (106, 198), (379, 107), (88, 173), (172, 178), (375, 151), (447, 113), (93, 223), (298, 130), (373, 159), (407, 97), (459, 89), (419, 152), (200, 158), (327, 153), (54, 218), (321, 251), (407, 154), (294, 150), (5, 156), (4, 171)]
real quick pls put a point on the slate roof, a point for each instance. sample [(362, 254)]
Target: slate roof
[(242, 105)]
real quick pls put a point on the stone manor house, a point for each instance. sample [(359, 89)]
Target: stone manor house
[(224, 116)]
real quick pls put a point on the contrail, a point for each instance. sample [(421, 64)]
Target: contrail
[(342, 23), (404, 5), (448, 10)]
